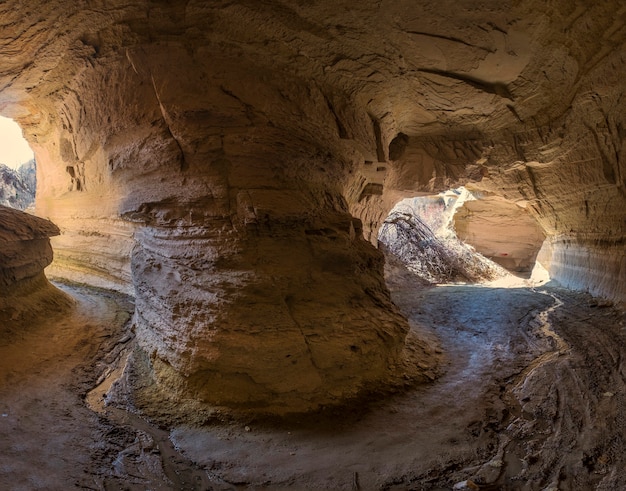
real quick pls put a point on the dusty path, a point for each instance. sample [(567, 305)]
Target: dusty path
[(532, 397), (516, 408), (554, 388), (429, 430), (48, 438)]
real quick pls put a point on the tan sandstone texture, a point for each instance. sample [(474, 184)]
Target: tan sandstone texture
[(500, 230), (230, 163), (24, 253)]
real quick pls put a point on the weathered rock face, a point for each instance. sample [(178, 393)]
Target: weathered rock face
[(26, 247), (229, 146), (500, 230), (24, 253), (286, 304)]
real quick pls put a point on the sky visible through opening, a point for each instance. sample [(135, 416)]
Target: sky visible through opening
[(14, 150)]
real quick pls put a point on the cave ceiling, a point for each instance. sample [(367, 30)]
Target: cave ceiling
[(431, 68)]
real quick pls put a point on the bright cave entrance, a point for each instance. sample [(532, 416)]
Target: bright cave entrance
[(463, 236), (18, 180)]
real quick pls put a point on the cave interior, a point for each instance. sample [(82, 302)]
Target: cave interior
[(228, 166)]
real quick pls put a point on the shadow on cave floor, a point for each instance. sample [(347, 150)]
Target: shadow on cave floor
[(48, 438), (531, 396)]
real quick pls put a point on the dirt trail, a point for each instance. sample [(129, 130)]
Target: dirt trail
[(430, 431), (48, 437), (553, 401), (531, 397), (519, 407)]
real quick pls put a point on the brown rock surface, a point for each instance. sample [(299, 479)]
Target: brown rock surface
[(24, 253), (500, 230), (25, 249), (230, 144)]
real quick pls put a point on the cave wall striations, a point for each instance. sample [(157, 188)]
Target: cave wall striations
[(230, 163), (569, 175), (572, 176), (24, 253), (563, 164), (254, 286), (26, 247)]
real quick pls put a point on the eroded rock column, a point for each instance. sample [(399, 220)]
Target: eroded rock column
[(283, 310), (260, 293), (25, 251), (254, 287)]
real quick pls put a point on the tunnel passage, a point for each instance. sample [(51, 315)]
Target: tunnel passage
[(231, 164), (419, 232), (457, 236)]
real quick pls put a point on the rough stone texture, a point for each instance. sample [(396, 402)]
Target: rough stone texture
[(291, 309), (24, 253), (501, 231), (26, 248), (237, 141)]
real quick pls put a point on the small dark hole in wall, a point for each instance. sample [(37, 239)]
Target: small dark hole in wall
[(77, 181), (398, 146)]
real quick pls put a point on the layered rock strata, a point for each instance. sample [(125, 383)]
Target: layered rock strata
[(284, 314), (24, 253), (501, 231)]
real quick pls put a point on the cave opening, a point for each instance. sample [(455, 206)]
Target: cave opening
[(18, 179), (465, 236)]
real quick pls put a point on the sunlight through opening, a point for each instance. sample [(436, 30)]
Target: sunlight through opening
[(461, 237), (14, 149), (17, 167)]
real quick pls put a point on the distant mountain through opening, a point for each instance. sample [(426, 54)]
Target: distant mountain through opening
[(18, 180)]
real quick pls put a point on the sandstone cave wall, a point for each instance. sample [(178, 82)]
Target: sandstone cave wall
[(567, 171), (570, 175), (26, 247), (225, 161), (501, 231), (25, 251), (228, 222)]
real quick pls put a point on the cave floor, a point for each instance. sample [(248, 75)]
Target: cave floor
[(531, 396)]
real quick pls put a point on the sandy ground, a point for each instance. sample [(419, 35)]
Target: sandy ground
[(48, 437), (531, 397)]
